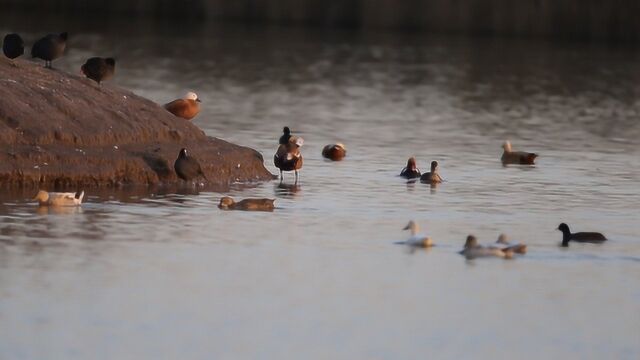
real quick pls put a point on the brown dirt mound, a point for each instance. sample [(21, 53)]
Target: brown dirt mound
[(62, 130)]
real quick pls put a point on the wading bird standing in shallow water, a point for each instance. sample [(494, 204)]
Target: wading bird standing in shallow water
[(49, 48), (288, 156), (99, 69)]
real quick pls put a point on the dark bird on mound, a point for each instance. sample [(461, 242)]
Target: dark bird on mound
[(99, 69), (583, 237), (286, 135), (187, 168), (49, 48), (12, 46)]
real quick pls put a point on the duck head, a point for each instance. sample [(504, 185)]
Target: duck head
[(226, 202), (471, 242), (191, 96), (502, 239), (42, 196), (286, 130), (566, 234), (507, 146), (182, 153), (411, 164), (341, 146), (412, 226), (110, 61), (434, 166)]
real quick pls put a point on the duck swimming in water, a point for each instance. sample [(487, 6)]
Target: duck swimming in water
[(58, 198), (516, 157), (99, 69), (506, 245), (583, 237), (49, 48), (335, 152), (432, 177), (187, 107), (411, 171), (227, 203), (288, 156), (416, 239), (474, 250)]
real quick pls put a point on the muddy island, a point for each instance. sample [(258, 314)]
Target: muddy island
[(62, 130)]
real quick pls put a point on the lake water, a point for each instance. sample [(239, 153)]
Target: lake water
[(144, 274)]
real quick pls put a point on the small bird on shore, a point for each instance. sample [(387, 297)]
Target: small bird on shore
[(474, 250), (411, 171), (187, 107), (227, 203), (187, 167), (335, 152), (288, 156), (516, 248), (432, 177), (416, 239), (286, 135), (58, 198), (516, 157), (49, 48), (13, 46), (582, 237), (99, 69)]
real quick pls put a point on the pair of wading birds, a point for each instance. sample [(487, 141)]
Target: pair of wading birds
[(97, 69)]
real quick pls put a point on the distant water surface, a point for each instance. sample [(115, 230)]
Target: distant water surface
[(154, 274)]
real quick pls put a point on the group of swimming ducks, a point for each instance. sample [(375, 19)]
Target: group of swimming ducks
[(98, 69), (287, 157)]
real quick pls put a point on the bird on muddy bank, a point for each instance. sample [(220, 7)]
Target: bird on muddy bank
[(516, 157), (13, 47), (187, 167), (58, 198), (581, 237), (411, 171), (288, 156), (335, 152), (432, 177), (99, 69), (187, 107), (50, 48), (228, 203)]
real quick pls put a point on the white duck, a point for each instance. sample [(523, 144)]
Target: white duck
[(58, 199), (417, 240)]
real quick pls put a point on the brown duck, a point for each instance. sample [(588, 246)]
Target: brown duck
[(432, 177), (99, 69), (516, 157), (187, 107), (335, 152), (288, 156), (227, 203)]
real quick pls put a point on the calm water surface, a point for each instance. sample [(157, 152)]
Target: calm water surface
[(154, 274)]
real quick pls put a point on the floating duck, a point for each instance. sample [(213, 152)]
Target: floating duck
[(516, 248), (432, 177), (417, 240), (50, 48), (187, 167), (58, 198), (99, 69), (474, 250), (516, 157), (227, 203), (286, 135), (411, 171), (583, 237), (12, 46), (288, 156), (187, 107), (335, 152)]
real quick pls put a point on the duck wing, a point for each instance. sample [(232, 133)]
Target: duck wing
[(588, 237)]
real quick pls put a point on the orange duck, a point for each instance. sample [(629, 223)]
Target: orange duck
[(335, 152), (187, 107)]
